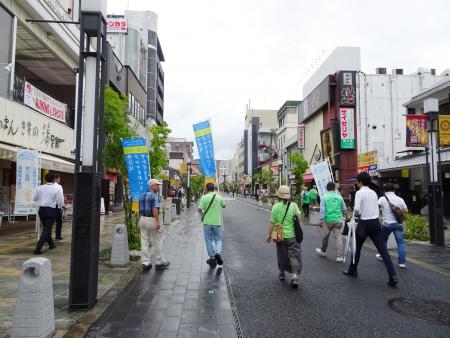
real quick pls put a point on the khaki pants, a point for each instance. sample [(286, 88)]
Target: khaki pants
[(151, 241), (335, 228)]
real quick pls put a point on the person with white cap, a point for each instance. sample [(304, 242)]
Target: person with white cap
[(152, 236), (288, 250)]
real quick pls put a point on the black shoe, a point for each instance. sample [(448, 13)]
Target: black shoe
[(146, 267), (51, 246), (59, 238), (393, 281), (212, 262), (162, 266), (281, 276), (219, 259), (294, 283), (353, 274), (37, 252)]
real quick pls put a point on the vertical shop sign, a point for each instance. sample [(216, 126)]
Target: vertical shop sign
[(347, 88), (27, 181), (138, 168), (301, 136), (347, 127), (416, 130), (203, 138), (444, 130)]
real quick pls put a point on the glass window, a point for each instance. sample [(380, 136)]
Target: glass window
[(6, 31)]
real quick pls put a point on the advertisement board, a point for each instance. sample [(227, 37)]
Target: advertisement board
[(416, 130), (27, 181), (347, 128), (368, 162), (301, 136), (43, 103), (347, 88), (322, 175), (444, 130), (315, 100), (205, 147), (329, 147), (116, 25)]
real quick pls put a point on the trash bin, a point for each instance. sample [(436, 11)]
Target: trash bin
[(177, 202), (119, 252)]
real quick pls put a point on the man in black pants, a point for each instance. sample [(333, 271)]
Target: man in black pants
[(48, 196), (59, 215), (366, 209)]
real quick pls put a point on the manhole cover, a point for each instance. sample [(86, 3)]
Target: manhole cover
[(427, 310)]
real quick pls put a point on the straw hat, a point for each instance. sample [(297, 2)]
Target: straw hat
[(284, 192)]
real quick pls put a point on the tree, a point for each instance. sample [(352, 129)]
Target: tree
[(299, 167), (158, 153)]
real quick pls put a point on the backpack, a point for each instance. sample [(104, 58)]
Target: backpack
[(396, 211)]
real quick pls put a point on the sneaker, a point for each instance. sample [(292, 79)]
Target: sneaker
[(320, 252), (218, 258), (402, 265), (393, 281), (378, 256), (162, 266), (294, 283), (281, 276), (339, 259), (211, 262), (51, 247), (146, 267)]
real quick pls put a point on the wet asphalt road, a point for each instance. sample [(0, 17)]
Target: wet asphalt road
[(327, 303)]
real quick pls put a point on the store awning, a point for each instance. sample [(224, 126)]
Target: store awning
[(417, 160), (308, 177), (50, 162)]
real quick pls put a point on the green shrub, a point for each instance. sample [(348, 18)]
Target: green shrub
[(264, 199), (416, 228), (134, 232)]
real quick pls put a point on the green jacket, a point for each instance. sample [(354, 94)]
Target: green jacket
[(332, 207)]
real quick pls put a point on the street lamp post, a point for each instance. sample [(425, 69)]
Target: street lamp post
[(435, 207), (88, 157), (188, 187), (280, 174)]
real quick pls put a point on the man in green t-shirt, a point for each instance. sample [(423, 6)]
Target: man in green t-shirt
[(313, 196), (210, 206), (306, 200), (332, 210)]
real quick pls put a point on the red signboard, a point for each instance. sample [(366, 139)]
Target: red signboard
[(116, 25), (301, 136), (43, 103), (416, 130)]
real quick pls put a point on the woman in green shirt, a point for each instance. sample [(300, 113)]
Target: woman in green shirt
[(288, 251)]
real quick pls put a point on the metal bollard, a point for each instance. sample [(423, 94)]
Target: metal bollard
[(167, 215), (34, 315), (119, 252)]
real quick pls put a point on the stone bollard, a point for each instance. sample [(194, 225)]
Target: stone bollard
[(34, 315), (167, 215), (119, 252)]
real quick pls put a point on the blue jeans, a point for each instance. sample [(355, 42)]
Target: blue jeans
[(397, 229), (213, 233)]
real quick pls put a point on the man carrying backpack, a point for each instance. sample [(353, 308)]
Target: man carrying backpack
[(210, 206), (393, 209)]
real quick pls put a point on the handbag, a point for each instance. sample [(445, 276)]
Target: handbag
[(298, 229), (345, 229), (209, 206), (396, 211), (277, 234)]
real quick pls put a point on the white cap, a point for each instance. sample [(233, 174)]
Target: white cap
[(153, 181)]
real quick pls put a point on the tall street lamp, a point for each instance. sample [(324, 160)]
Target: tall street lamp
[(88, 157), (188, 187)]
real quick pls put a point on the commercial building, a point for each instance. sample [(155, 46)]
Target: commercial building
[(38, 64), (180, 151)]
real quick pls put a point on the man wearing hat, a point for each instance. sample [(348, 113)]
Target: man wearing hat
[(152, 236)]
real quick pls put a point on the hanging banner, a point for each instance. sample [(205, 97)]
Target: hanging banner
[(322, 175), (416, 130), (203, 138), (138, 168), (27, 181), (444, 130), (43, 103), (301, 136), (368, 162), (347, 124)]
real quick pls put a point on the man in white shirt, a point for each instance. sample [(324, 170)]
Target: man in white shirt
[(48, 196), (367, 211), (390, 223)]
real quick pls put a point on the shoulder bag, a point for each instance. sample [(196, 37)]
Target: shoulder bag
[(277, 231), (398, 212), (298, 229), (209, 206)]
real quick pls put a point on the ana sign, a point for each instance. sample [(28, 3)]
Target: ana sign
[(301, 136), (43, 103), (116, 25), (347, 124)]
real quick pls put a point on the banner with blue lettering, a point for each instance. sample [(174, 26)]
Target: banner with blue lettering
[(138, 167), (203, 138)]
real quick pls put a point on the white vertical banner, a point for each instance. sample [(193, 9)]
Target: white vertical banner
[(27, 181), (322, 175)]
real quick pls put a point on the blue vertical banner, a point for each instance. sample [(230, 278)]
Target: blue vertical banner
[(27, 181), (203, 138), (138, 167)]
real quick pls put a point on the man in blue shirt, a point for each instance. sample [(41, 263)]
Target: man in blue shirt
[(152, 236)]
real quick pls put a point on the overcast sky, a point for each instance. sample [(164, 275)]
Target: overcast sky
[(221, 54)]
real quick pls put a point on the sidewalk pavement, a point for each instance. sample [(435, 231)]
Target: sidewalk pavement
[(189, 299), (16, 248), (422, 253)]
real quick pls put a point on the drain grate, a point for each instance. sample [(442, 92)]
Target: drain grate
[(237, 324), (431, 311)]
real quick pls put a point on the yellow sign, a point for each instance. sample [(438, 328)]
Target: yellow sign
[(444, 130), (367, 159), (405, 172), (135, 150), (183, 168), (202, 132), (210, 180)]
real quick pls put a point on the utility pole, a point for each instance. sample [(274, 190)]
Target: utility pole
[(188, 186)]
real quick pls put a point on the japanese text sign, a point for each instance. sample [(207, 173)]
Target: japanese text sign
[(205, 147), (444, 130), (416, 130), (43, 103), (301, 136), (368, 162), (347, 128), (138, 167), (116, 25), (27, 181), (322, 175)]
